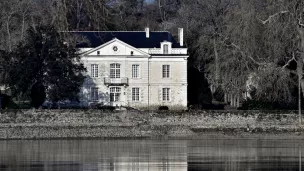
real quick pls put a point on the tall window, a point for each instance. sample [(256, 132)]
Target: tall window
[(166, 94), (94, 70), (115, 94), (166, 71), (135, 71), (115, 70), (135, 94), (94, 94), (166, 49)]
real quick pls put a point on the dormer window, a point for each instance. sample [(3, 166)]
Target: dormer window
[(166, 49)]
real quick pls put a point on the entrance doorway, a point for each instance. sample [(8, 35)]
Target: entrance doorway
[(115, 93)]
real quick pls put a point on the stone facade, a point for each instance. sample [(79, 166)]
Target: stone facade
[(119, 74)]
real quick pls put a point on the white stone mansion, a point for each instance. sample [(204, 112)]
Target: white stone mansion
[(134, 68)]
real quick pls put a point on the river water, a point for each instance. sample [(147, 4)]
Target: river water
[(152, 155)]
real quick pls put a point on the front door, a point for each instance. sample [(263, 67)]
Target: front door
[(115, 93)]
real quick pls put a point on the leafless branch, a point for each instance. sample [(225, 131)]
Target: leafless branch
[(244, 54), (272, 16), (290, 60)]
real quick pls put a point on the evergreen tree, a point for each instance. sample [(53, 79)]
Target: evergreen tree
[(45, 67)]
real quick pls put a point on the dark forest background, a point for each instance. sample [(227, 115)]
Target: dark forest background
[(235, 46)]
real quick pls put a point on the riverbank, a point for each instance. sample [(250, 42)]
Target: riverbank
[(63, 124)]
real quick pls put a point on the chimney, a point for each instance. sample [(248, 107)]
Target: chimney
[(181, 36), (147, 30)]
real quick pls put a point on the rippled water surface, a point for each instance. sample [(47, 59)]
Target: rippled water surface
[(151, 155)]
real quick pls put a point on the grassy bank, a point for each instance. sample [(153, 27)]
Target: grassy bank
[(32, 124)]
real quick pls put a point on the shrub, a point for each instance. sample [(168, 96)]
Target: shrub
[(5, 100), (106, 108), (163, 108), (219, 94)]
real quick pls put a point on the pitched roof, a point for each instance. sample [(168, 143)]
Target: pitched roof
[(136, 39)]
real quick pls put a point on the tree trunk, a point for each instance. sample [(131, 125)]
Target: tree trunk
[(237, 101), (300, 71), (231, 100), (8, 34), (225, 98), (300, 75), (217, 75)]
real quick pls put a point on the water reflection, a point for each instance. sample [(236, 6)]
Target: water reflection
[(151, 155)]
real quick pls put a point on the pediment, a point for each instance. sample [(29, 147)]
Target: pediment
[(115, 47)]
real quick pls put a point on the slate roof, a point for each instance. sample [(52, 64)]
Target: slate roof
[(136, 39)]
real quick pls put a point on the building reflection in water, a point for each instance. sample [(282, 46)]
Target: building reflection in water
[(151, 155)]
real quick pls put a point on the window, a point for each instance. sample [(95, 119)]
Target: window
[(98, 52), (166, 94), (94, 70), (94, 94), (115, 94), (115, 70), (132, 53), (135, 71), (166, 71), (135, 94), (166, 49)]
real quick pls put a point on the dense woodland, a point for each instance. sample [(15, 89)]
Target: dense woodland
[(231, 42)]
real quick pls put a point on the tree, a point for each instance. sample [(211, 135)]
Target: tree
[(44, 63)]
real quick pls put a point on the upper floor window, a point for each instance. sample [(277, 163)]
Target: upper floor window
[(94, 70), (166, 71), (94, 94), (166, 49), (166, 94), (98, 52), (115, 70), (135, 94), (135, 71)]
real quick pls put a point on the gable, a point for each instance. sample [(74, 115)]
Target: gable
[(115, 47)]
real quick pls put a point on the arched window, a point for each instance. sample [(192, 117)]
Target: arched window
[(115, 70), (115, 94)]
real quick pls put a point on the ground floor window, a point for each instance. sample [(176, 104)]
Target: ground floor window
[(135, 94), (115, 94), (166, 94), (94, 94)]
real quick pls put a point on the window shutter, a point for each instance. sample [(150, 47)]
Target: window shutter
[(160, 97), (101, 70), (129, 94), (141, 95), (172, 95)]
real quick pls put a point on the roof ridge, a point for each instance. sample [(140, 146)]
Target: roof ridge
[(110, 31)]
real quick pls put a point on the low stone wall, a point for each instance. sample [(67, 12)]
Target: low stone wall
[(50, 124)]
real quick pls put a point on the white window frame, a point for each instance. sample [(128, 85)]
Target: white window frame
[(135, 94), (135, 71), (115, 70), (166, 94), (94, 70), (94, 94), (115, 93), (166, 71)]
